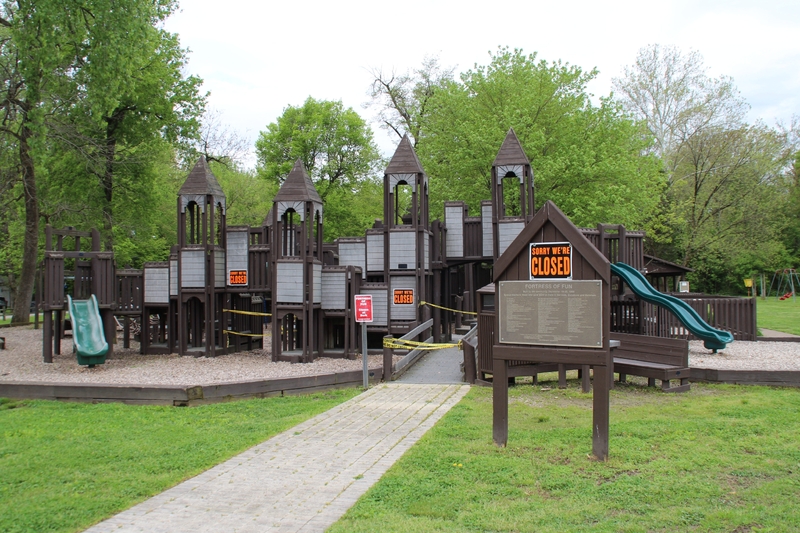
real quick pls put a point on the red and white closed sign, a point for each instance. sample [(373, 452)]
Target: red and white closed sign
[(363, 308)]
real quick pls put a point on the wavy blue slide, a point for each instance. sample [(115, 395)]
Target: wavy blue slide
[(713, 339), (88, 337)]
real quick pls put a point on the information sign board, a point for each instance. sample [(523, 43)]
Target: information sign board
[(363, 307), (403, 297), (551, 313), (237, 277), (551, 260)]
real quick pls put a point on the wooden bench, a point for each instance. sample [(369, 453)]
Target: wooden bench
[(653, 358)]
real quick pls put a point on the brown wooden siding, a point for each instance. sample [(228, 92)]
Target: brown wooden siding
[(737, 315)]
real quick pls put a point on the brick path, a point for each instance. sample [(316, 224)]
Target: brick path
[(304, 479)]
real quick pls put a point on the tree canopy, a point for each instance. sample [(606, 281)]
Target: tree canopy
[(94, 95), (336, 147), (721, 211), (587, 158)]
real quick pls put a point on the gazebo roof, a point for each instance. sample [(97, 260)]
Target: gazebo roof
[(511, 152), (201, 181), (298, 187), (404, 160), (655, 266)]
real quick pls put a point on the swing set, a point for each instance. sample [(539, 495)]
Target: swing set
[(786, 283)]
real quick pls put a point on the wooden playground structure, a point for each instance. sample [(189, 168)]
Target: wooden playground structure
[(221, 285)]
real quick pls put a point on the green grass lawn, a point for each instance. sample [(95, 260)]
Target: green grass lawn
[(718, 458), (6, 319), (779, 315), (65, 466)]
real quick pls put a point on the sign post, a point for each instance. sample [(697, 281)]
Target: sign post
[(364, 315)]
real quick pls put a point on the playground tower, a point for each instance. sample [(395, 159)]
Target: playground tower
[(296, 261), (406, 238), (200, 262), (512, 194)]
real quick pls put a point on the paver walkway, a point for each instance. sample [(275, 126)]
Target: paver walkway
[(304, 479)]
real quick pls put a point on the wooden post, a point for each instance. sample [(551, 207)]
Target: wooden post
[(586, 384), (47, 344), (437, 313), (500, 402), (470, 370), (600, 412), (387, 359)]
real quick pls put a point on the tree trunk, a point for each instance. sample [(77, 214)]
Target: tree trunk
[(108, 190), (30, 247), (113, 123)]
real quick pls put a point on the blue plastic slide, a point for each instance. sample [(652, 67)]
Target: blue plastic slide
[(87, 331), (713, 339)]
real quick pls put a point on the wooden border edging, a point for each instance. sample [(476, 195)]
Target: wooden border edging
[(773, 378), (778, 339), (180, 396)]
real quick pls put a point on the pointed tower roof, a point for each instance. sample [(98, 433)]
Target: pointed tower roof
[(201, 181), (404, 160), (511, 152), (298, 187)]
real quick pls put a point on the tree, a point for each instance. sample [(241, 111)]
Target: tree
[(97, 79), (402, 100), (723, 199), (38, 52), (217, 142), (132, 92), (670, 92), (586, 158), (335, 145)]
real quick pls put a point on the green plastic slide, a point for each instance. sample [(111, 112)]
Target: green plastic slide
[(88, 337), (713, 339)]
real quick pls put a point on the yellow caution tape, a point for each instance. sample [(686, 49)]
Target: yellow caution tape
[(447, 308), (243, 334), (403, 344), (253, 313)]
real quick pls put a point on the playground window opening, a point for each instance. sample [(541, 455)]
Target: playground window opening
[(218, 224), (290, 221), (403, 197), (193, 230), (512, 193)]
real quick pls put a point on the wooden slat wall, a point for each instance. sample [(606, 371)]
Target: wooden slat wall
[(83, 280), (353, 252), (736, 315), (374, 251), (317, 282), (237, 253), (404, 311), (508, 231), (379, 301), (219, 269), (129, 291), (454, 219), (258, 272), (290, 288), (485, 342), (103, 277), (193, 269), (334, 289), (486, 225), (156, 283), (402, 250), (473, 237), (173, 277)]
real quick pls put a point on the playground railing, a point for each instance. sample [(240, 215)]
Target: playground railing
[(737, 315)]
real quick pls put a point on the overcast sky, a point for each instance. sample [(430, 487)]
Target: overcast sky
[(257, 57)]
